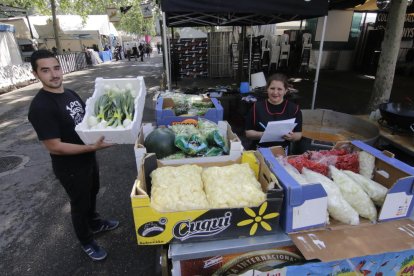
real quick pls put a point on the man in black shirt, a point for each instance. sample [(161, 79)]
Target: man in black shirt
[(54, 113)]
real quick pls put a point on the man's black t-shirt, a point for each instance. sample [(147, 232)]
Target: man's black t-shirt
[(55, 115), (264, 112)]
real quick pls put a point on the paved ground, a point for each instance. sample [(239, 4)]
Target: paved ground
[(36, 236)]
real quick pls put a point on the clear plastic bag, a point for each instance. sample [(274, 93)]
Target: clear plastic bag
[(210, 131)]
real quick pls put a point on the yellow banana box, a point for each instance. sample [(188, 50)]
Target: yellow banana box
[(153, 227)]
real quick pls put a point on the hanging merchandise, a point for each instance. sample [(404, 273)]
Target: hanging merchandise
[(284, 51), (306, 50), (265, 57), (274, 53), (189, 57)]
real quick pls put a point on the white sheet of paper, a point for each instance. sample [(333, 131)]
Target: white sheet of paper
[(276, 129)]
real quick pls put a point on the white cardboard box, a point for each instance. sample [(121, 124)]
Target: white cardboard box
[(117, 136), (235, 145)]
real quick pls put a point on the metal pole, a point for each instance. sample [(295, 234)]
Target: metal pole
[(30, 28), (241, 54), (166, 52), (250, 56), (319, 61)]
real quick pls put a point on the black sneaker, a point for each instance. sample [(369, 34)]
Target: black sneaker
[(94, 251), (106, 225)]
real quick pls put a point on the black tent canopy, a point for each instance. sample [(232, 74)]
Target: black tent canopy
[(186, 13)]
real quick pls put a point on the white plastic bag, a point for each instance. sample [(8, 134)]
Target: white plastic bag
[(375, 191), (354, 194), (366, 164), (338, 207)]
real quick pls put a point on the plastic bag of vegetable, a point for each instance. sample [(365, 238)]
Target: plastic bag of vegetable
[(338, 207), (177, 189), (211, 133), (366, 164), (375, 191), (292, 171), (189, 139), (354, 194), (213, 151), (232, 186), (195, 145)]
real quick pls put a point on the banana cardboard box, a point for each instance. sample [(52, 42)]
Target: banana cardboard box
[(153, 227)]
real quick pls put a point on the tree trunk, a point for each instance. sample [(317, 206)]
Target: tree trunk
[(55, 26), (389, 53)]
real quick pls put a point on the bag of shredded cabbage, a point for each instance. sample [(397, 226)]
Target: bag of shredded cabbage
[(338, 207), (177, 189), (366, 164), (295, 174), (291, 170), (232, 186), (354, 194), (376, 191)]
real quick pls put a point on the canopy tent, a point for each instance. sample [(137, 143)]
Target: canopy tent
[(73, 32), (187, 13), (189, 32), (9, 50)]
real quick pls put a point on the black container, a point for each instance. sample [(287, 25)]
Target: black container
[(398, 114)]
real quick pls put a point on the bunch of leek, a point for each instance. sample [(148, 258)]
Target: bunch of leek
[(113, 109)]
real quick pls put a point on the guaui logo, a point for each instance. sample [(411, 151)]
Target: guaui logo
[(186, 229)]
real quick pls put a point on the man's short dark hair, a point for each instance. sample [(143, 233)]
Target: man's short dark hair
[(39, 54)]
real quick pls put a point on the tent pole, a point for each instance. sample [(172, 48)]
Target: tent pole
[(250, 56), (166, 52), (319, 61), (241, 54)]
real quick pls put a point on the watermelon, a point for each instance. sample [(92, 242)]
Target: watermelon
[(161, 142)]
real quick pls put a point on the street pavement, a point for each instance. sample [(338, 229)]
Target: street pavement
[(36, 233)]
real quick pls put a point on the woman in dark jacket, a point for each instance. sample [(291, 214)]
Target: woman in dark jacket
[(274, 108)]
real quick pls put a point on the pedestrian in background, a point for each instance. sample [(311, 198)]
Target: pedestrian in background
[(148, 49), (135, 52), (141, 51), (128, 51), (159, 47), (54, 112)]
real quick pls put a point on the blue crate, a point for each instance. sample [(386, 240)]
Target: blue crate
[(167, 116)]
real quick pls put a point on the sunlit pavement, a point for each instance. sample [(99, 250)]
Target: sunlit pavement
[(36, 234)]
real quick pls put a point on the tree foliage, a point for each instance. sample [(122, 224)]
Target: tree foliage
[(134, 22), (131, 22)]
